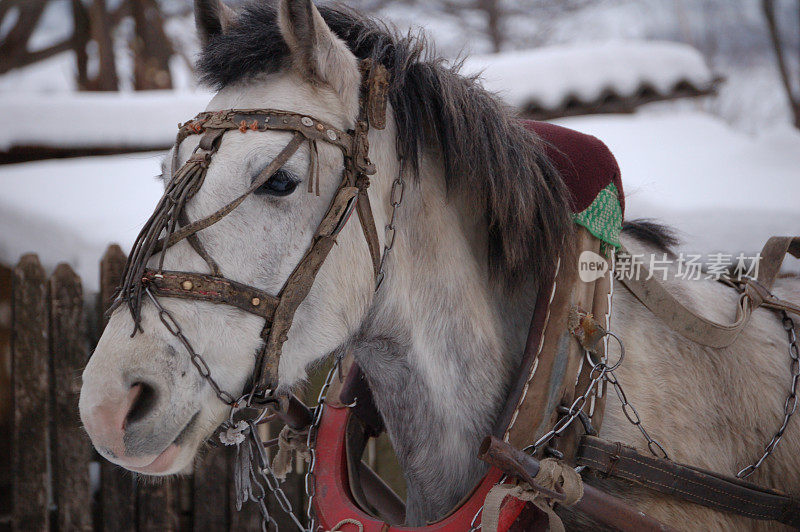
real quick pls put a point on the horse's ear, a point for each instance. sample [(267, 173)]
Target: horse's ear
[(317, 52), (212, 17)]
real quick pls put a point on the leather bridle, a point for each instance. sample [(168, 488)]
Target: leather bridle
[(169, 225)]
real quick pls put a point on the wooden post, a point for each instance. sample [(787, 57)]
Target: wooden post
[(125, 501), (29, 375), (210, 506), (112, 266), (118, 487), (70, 444)]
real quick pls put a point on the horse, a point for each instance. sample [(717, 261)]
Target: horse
[(483, 215)]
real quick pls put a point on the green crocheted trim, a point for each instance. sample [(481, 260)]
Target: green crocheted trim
[(603, 218)]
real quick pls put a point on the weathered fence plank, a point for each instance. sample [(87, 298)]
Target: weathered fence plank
[(210, 510), (29, 375), (112, 266), (157, 505), (118, 487), (70, 444), (6, 412)]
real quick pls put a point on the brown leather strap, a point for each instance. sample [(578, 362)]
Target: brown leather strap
[(680, 318), (299, 284), (688, 483), (591, 296), (367, 220), (547, 369), (550, 366), (188, 285), (213, 218), (266, 120)]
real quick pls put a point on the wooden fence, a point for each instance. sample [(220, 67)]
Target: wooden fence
[(53, 480)]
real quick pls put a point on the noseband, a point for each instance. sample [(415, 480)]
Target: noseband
[(169, 224)]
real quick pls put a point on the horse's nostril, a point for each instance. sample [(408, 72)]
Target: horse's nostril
[(143, 400)]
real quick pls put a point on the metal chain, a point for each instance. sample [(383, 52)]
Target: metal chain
[(790, 405), (601, 371), (309, 485), (273, 485), (598, 373), (396, 197), (260, 500), (202, 367), (656, 449)]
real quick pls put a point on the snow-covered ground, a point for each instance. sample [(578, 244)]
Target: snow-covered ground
[(69, 210), (724, 191)]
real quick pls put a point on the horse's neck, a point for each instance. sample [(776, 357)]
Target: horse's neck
[(437, 350)]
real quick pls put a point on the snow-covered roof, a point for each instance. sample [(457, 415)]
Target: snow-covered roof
[(127, 121), (595, 77)]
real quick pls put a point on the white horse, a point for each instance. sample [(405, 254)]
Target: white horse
[(482, 217)]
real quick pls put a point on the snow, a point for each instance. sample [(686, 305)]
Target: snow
[(550, 76), (70, 210), (83, 120), (147, 120)]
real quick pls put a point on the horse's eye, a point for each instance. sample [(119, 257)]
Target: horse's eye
[(282, 183)]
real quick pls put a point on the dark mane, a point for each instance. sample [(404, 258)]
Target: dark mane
[(487, 154), (650, 232)]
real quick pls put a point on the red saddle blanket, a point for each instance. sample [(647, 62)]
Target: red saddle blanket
[(584, 162)]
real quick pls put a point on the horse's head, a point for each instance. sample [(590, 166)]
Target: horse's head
[(143, 402)]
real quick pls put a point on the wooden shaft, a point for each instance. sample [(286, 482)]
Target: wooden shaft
[(597, 504)]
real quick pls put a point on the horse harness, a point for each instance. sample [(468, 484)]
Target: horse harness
[(569, 335), (162, 229)]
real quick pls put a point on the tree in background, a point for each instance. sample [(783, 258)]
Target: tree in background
[(24, 16), (151, 47), (92, 40), (487, 18), (791, 84)]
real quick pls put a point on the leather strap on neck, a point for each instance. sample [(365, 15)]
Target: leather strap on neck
[(703, 331)]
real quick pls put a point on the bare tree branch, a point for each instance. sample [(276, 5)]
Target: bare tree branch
[(14, 47)]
